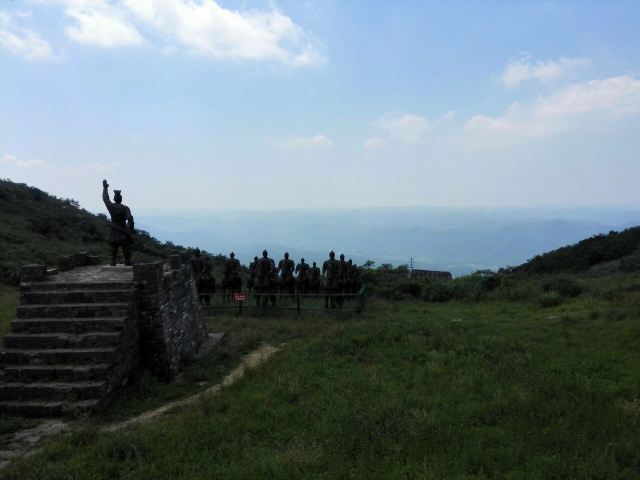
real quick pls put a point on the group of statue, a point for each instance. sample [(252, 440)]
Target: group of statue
[(336, 278)]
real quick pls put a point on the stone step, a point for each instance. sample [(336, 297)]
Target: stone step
[(58, 356), (68, 325), (61, 340), (48, 409), (60, 373), (75, 296), (75, 310), (59, 286), (51, 391)]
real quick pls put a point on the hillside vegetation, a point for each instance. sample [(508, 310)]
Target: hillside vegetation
[(36, 227), (587, 253)]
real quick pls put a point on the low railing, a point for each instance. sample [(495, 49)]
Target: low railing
[(296, 302)]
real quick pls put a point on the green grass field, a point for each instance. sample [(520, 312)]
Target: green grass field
[(493, 389)]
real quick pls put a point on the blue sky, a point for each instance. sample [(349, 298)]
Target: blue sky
[(203, 105)]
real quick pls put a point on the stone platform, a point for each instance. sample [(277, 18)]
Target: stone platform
[(79, 334)]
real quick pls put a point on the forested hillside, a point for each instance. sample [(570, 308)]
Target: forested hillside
[(587, 253), (36, 227)]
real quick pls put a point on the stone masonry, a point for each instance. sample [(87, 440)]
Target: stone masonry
[(172, 325), (80, 333)]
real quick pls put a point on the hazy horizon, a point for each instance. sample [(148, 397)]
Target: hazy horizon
[(458, 240)]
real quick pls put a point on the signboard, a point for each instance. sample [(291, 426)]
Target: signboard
[(239, 297)]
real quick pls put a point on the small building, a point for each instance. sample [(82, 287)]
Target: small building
[(417, 273)]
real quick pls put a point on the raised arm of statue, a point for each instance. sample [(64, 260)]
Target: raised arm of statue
[(105, 195)]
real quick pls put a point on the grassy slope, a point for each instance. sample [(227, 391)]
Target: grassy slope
[(410, 390)]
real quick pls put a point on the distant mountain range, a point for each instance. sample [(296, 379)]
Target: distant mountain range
[(457, 240)]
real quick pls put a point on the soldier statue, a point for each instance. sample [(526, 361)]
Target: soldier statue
[(122, 226), (315, 280), (354, 277), (252, 274), (343, 278), (302, 270), (231, 278), (331, 272), (205, 283), (286, 267), (264, 280)]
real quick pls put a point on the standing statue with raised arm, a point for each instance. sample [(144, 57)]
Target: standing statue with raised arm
[(122, 226)]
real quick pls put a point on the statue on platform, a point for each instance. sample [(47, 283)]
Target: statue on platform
[(122, 226)]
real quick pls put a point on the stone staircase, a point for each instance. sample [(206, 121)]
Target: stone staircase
[(70, 348)]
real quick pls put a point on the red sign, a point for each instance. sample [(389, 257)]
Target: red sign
[(239, 297)]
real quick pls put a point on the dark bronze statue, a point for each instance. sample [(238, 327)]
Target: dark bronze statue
[(252, 274), (122, 226), (286, 268), (205, 283), (315, 279), (302, 270), (265, 280), (331, 272), (354, 278), (231, 278), (343, 278)]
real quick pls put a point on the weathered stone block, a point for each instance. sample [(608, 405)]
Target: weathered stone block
[(65, 263), (79, 259), (33, 273), (150, 274)]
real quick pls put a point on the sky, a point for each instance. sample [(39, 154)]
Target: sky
[(202, 105)]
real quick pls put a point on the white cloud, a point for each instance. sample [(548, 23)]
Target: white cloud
[(200, 27), (373, 143), (521, 69), (101, 24), (27, 164), (296, 142), (409, 128), (90, 169), (23, 42), (206, 28), (589, 104)]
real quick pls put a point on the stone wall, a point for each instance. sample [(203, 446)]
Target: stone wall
[(172, 326)]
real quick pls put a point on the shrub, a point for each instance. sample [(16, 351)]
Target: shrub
[(411, 288), (550, 299), (563, 285)]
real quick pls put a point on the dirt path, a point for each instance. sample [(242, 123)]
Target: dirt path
[(249, 361), (24, 442)]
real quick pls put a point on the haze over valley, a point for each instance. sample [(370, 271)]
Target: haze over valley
[(456, 240)]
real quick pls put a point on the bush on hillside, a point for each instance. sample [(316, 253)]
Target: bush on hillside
[(563, 285)]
